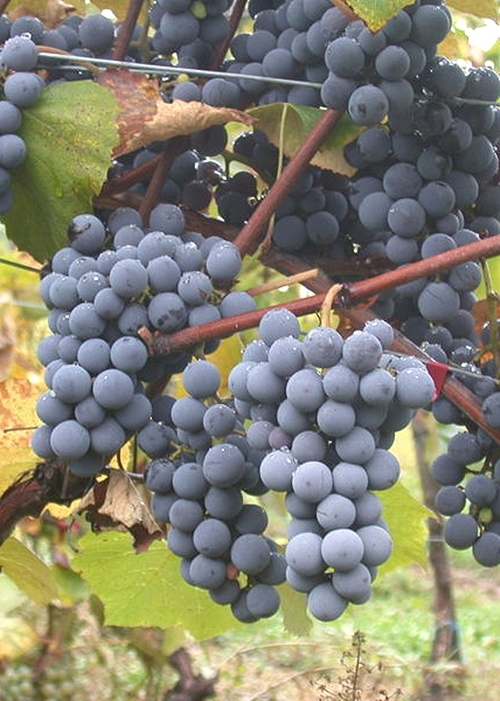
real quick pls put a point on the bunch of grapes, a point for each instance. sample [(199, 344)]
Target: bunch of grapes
[(313, 418), (21, 89), (104, 287)]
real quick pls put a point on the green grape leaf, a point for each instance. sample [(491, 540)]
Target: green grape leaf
[(489, 9), (374, 14), (405, 517), (294, 610), (70, 134), (298, 122), (27, 571), (146, 589)]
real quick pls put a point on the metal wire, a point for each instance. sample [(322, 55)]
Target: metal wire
[(153, 68)]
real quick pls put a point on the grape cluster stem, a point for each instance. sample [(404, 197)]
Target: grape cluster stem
[(234, 21), (250, 235), (123, 39)]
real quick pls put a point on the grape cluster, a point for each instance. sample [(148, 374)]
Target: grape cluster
[(103, 287), (21, 89), (469, 495), (54, 684), (88, 36), (468, 473), (313, 419), (200, 495), (195, 181), (189, 28), (326, 410)]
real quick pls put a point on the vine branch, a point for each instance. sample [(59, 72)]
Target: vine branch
[(250, 235)]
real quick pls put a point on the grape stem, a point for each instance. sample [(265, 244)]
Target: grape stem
[(131, 177), (452, 389), (365, 289), (250, 235), (234, 21), (177, 145), (282, 282), (160, 344), (126, 29), (328, 303)]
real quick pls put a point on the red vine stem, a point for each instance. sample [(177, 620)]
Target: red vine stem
[(177, 145), (127, 29), (234, 21), (131, 177), (160, 344), (249, 236), (452, 389), (422, 268)]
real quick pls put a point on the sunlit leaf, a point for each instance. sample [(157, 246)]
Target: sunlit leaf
[(489, 9), (405, 517), (26, 570), (70, 134), (51, 12), (17, 637), (72, 588), (293, 606), (146, 589), (375, 14), (299, 120), (17, 417)]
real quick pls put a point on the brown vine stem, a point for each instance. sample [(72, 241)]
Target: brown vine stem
[(160, 344), (234, 21), (250, 235), (126, 29), (452, 389), (130, 177), (176, 146), (3, 6), (364, 289)]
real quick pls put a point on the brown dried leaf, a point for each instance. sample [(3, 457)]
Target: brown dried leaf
[(51, 12), (115, 503), (56, 11), (481, 314), (145, 117)]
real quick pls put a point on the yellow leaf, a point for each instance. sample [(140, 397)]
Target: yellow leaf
[(15, 467), (17, 637), (51, 12), (227, 355), (17, 411), (60, 511), (489, 9), (27, 571), (406, 519), (17, 417)]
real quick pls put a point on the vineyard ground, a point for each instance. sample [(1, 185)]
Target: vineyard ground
[(398, 626)]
